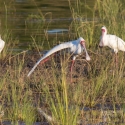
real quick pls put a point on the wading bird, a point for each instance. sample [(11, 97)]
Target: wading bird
[(2, 43), (75, 47), (111, 41)]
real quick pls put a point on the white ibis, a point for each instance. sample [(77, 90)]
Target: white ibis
[(111, 41), (2, 43), (76, 47)]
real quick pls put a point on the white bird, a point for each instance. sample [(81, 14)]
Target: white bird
[(76, 47), (48, 117), (111, 41), (2, 44)]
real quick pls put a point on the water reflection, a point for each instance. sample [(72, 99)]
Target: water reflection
[(20, 0), (55, 31), (18, 19)]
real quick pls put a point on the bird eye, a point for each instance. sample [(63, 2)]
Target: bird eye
[(103, 30), (82, 42)]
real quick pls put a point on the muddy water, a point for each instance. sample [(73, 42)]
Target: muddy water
[(23, 18)]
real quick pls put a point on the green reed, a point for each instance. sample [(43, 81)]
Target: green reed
[(57, 97), (16, 95), (106, 83)]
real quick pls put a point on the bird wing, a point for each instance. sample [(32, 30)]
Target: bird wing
[(53, 50), (115, 43)]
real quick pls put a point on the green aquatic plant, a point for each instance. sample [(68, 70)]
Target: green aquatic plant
[(58, 102), (19, 107)]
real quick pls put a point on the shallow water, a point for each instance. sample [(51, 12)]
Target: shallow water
[(23, 18)]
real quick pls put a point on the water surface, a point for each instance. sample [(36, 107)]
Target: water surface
[(23, 18)]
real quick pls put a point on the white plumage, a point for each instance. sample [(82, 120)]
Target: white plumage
[(76, 47), (111, 41), (2, 44)]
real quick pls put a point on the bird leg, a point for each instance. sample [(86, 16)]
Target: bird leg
[(73, 60), (115, 60)]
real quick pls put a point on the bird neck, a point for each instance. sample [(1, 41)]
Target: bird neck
[(104, 33), (103, 39)]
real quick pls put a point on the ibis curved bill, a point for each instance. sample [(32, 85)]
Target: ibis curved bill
[(2, 44), (76, 47)]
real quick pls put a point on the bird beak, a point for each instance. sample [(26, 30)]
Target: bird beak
[(101, 43), (103, 31), (87, 55)]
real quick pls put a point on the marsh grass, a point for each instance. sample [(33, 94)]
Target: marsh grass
[(16, 96), (58, 99)]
